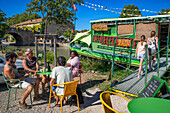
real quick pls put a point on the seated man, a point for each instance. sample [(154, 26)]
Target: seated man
[(60, 74), (11, 72), (30, 64)]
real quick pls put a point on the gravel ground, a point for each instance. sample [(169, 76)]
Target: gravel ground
[(92, 103)]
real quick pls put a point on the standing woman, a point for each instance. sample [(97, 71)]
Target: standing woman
[(152, 47), (140, 53)]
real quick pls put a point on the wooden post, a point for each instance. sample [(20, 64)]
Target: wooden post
[(44, 48), (36, 47), (55, 51)]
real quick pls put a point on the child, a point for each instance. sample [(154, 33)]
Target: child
[(152, 47), (140, 53)]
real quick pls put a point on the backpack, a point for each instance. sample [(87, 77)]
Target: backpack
[(80, 97)]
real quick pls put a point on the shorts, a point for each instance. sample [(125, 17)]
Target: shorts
[(25, 83), (58, 90), (152, 51), (141, 56)]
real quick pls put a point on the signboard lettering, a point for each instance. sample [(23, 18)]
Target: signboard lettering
[(100, 27), (109, 41), (151, 88)]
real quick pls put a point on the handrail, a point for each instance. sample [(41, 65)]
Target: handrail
[(146, 58), (123, 67), (113, 64)]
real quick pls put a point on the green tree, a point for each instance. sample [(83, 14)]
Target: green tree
[(130, 11), (164, 11), (68, 33), (6, 36), (58, 10), (18, 18), (3, 26)]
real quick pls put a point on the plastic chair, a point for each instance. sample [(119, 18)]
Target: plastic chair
[(106, 101), (69, 90), (79, 72), (10, 88)]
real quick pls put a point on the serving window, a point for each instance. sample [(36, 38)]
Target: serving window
[(125, 29), (144, 29)]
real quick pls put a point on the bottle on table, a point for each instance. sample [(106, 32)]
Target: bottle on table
[(48, 67)]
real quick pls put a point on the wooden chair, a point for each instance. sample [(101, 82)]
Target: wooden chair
[(69, 90), (79, 73), (106, 101), (10, 88)]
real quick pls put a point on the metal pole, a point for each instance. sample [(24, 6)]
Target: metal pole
[(167, 53), (146, 63), (130, 52), (55, 52), (113, 61), (44, 48), (36, 48), (158, 59), (75, 24)]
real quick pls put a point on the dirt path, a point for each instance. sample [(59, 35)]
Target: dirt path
[(92, 103)]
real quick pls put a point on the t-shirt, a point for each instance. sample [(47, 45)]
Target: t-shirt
[(74, 62), (61, 74)]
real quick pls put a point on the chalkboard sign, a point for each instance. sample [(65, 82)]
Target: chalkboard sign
[(151, 88)]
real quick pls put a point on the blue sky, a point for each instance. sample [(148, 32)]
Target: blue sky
[(85, 14)]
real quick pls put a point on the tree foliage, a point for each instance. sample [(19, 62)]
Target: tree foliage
[(164, 11), (59, 10), (18, 18), (130, 11), (68, 33), (3, 26)]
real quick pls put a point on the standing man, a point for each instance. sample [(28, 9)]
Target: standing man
[(27, 83), (30, 64)]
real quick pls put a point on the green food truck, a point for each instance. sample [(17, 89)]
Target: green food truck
[(123, 34)]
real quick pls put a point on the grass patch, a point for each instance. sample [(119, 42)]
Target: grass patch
[(102, 68), (166, 77)]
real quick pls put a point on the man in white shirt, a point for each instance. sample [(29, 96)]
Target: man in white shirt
[(60, 74)]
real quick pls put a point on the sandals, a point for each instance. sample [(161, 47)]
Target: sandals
[(59, 105), (36, 99), (23, 106)]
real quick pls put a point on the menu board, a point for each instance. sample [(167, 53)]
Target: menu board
[(151, 89)]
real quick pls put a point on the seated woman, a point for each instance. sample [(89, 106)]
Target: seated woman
[(30, 64), (74, 62)]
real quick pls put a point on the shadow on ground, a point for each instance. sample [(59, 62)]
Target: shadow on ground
[(3, 87), (91, 83)]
